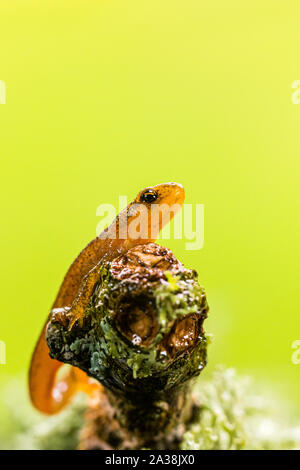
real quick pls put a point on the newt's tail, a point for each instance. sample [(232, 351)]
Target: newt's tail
[(48, 393)]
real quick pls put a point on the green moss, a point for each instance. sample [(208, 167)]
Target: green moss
[(22, 428), (233, 417), (181, 295)]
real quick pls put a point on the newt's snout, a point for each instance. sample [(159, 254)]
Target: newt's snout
[(170, 193)]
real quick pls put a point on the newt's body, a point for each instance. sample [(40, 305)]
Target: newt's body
[(137, 224)]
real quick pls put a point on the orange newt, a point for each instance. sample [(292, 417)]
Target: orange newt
[(48, 393)]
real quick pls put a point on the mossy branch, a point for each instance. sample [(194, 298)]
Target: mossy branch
[(142, 338)]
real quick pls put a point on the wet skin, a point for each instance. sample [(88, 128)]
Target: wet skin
[(47, 394)]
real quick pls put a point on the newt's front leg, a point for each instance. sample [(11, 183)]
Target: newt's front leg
[(60, 315), (82, 299), (67, 316)]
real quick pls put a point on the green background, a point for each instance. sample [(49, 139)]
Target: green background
[(106, 97)]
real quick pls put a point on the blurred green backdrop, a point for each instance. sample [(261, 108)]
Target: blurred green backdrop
[(105, 97)]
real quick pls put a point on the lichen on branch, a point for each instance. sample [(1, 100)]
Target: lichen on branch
[(142, 338)]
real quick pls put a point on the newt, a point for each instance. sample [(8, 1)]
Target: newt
[(135, 225)]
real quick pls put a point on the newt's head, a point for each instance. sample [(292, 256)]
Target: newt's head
[(152, 209), (165, 193)]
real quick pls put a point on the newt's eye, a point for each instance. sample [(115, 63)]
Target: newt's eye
[(149, 196)]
